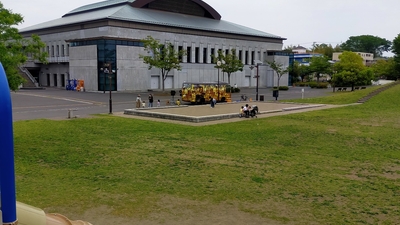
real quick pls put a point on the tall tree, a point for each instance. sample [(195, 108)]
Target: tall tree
[(396, 51), (14, 48), (161, 56), (320, 65), (368, 44), (385, 68), (350, 70), (326, 49), (230, 63), (278, 68), (299, 70)]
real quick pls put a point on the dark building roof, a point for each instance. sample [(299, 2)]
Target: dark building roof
[(189, 14)]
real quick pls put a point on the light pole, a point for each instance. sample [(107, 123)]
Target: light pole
[(258, 63), (110, 101), (218, 64), (108, 73)]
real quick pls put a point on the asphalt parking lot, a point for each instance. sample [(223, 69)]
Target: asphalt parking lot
[(54, 103)]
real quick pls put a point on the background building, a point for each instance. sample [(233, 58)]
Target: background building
[(368, 58), (94, 39)]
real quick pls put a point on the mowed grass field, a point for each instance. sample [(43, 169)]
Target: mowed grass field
[(335, 166)]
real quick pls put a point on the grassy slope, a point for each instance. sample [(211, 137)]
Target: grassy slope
[(337, 166), (339, 97)]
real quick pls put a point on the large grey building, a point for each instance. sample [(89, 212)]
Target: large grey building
[(107, 34)]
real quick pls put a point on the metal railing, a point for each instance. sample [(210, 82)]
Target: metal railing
[(29, 75)]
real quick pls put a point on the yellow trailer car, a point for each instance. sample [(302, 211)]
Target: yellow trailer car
[(203, 92)]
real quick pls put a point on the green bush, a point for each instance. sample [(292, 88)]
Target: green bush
[(232, 89), (322, 85), (312, 84), (283, 88), (301, 84)]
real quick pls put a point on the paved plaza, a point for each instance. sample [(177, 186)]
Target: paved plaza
[(54, 103), (204, 113)]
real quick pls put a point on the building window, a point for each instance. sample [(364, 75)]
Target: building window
[(240, 55), (189, 54), (204, 55), (57, 51), (246, 58), (252, 57), (212, 54), (62, 51), (197, 55), (180, 48), (226, 51), (52, 51)]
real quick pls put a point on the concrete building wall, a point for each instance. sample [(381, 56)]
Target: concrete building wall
[(284, 80), (133, 74), (83, 65)]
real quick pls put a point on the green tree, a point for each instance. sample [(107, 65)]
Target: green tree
[(14, 48), (304, 71), (385, 68), (326, 50), (230, 63), (278, 68), (320, 65), (161, 56), (289, 48), (396, 51), (350, 70), (367, 43), (299, 70)]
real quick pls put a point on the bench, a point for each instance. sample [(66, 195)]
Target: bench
[(339, 89), (357, 88), (363, 87)]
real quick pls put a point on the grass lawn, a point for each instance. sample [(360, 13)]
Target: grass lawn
[(335, 166), (339, 97)]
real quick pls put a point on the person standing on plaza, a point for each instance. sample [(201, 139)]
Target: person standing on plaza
[(151, 99), (138, 101), (158, 103)]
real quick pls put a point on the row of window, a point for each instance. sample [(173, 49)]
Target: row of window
[(200, 55), (56, 51)]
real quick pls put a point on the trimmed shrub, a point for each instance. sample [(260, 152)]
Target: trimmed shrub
[(322, 85), (283, 88), (301, 84), (313, 84)]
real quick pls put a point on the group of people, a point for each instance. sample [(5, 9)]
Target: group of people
[(142, 104), (245, 111)]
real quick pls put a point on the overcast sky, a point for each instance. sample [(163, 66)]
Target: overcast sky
[(301, 22)]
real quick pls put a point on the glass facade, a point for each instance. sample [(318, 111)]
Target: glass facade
[(107, 60)]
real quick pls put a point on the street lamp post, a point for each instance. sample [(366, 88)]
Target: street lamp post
[(108, 73), (258, 63), (110, 100), (218, 64)]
